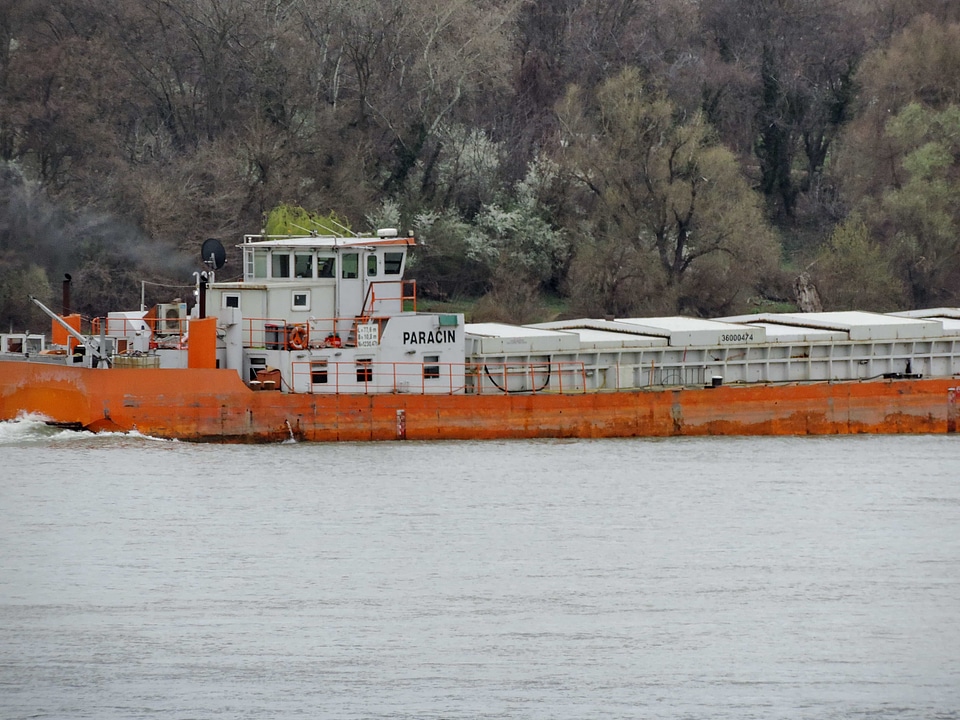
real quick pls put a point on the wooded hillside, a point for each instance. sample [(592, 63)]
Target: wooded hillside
[(626, 156)]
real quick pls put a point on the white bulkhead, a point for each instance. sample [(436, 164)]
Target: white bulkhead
[(333, 315)]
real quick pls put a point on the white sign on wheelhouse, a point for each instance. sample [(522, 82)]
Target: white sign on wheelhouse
[(368, 335)]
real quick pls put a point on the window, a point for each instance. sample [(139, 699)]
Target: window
[(326, 266), (303, 265), (392, 263), (351, 266), (318, 372), (371, 265), (281, 265), (231, 301), (431, 372), (364, 371), (301, 300), (256, 364), (257, 266)]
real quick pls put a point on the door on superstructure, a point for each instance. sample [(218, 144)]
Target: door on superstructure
[(374, 297), (325, 293), (351, 285), (391, 281), (383, 271)]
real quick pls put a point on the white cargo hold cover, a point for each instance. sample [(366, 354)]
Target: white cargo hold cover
[(864, 325), (605, 334), (685, 331), (501, 339)]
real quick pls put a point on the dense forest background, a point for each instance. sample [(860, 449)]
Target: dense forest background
[(604, 157)]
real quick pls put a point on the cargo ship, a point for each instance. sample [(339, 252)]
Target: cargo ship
[(321, 340)]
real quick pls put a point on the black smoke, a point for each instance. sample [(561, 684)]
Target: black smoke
[(107, 257)]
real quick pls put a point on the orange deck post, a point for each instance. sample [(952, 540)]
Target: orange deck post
[(59, 334), (202, 343)]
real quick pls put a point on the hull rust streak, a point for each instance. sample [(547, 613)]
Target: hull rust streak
[(214, 405)]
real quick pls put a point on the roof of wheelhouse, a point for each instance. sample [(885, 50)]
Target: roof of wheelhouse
[(323, 241)]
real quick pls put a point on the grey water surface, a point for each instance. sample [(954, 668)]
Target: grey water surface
[(680, 578)]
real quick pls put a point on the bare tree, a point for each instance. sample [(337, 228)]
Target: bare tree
[(664, 184), (798, 60)]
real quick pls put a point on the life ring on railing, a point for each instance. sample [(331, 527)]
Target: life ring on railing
[(297, 339)]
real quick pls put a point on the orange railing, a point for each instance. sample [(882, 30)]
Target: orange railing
[(323, 376), (408, 293), (281, 334), (164, 332), (127, 326)]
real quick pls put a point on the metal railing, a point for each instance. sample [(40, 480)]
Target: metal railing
[(422, 378), (281, 334), (408, 293), (164, 332)]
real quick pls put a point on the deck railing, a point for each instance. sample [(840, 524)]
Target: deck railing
[(280, 334), (363, 377), (387, 294), (164, 332)]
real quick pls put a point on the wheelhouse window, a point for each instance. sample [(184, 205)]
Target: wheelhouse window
[(392, 263), (281, 265), (371, 265), (257, 263), (326, 266), (303, 265), (351, 266)]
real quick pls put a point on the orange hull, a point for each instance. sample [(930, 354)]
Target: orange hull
[(214, 405)]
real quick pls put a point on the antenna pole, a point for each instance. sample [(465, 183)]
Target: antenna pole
[(342, 227)]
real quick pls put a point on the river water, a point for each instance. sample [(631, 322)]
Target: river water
[(681, 578)]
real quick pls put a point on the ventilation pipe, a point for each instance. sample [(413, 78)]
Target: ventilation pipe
[(66, 294)]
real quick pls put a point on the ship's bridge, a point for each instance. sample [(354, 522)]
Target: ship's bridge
[(349, 276), (324, 285)]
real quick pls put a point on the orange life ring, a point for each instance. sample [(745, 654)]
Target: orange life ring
[(297, 340)]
